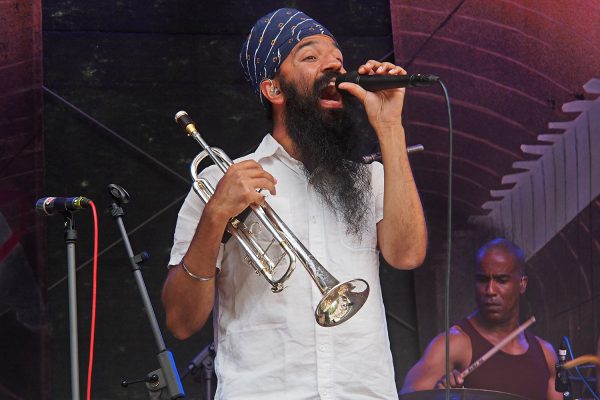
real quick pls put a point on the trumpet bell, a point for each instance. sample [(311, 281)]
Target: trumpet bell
[(341, 302)]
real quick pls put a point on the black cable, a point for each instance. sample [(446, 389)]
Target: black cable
[(587, 385), (449, 219), (400, 321), (449, 241), (386, 56), (115, 134), (440, 26)]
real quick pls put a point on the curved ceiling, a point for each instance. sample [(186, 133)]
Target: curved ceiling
[(509, 67)]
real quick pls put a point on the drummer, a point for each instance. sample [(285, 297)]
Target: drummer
[(525, 366)]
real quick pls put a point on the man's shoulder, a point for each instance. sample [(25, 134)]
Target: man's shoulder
[(544, 343), (250, 156), (460, 347), (456, 334), (547, 348), (265, 149)]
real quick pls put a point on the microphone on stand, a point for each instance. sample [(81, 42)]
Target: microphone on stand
[(561, 381), (204, 361), (58, 205), (373, 83), (206, 355)]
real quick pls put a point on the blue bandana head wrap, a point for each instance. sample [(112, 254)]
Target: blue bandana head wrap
[(272, 39)]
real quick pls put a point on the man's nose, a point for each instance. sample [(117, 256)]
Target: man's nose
[(332, 63), (490, 287)]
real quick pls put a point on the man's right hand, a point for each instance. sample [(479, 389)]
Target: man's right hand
[(455, 380), (239, 188)]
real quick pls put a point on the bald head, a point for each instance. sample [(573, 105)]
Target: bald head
[(506, 248), (500, 281)]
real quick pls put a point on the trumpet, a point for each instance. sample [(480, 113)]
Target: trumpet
[(340, 301)]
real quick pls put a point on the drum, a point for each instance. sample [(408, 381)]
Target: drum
[(460, 394)]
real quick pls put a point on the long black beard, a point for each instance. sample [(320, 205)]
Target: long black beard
[(325, 141)]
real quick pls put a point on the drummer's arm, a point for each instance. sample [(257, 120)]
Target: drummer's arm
[(432, 366), (551, 360)]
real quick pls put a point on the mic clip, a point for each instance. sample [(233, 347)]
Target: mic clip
[(141, 257)]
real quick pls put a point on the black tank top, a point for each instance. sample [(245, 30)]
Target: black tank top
[(524, 374)]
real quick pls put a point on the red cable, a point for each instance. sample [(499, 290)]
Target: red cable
[(93, 322)]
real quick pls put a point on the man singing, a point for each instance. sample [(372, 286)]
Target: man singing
[(345, 213)]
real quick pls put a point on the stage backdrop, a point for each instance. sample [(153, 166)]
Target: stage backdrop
[(115, 74), (524, 80), (23, 320)]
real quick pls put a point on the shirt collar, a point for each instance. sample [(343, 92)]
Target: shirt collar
[(271, 147)]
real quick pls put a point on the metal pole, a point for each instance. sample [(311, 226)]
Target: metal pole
[(70, 240)]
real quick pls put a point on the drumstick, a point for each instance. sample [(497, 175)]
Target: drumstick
[(497, 347)]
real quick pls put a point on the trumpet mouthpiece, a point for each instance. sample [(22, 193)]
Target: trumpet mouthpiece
[(181, 114), (184, 120)]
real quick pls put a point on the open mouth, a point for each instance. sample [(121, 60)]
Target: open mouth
[(329, 97)]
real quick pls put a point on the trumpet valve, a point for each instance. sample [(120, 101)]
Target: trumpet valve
[(255, 228)]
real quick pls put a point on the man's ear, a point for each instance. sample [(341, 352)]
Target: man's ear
[(271, 91), (523, 283)]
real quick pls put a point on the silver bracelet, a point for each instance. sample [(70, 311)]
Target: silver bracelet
[(198, 278)]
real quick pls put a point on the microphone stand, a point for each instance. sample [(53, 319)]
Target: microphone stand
[(70, 242), (562, 384), (204, 361), (166, 376)]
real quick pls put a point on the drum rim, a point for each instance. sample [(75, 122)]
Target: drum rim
[(463, 390)]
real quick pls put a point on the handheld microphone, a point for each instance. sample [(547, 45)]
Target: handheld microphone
[(369, 158), (373, 83), (56, 205), (561, 381)]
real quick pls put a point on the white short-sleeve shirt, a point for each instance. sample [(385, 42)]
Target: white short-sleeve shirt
[(268, 344)]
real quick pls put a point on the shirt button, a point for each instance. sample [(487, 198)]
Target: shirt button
[(313, 219), (322, 348)]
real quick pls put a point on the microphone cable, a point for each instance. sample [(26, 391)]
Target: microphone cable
[(449, 240), (93, 315), (375, 157), (585, 382), (449, 218)]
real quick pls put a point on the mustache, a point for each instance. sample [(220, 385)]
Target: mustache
[(322, 82)]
